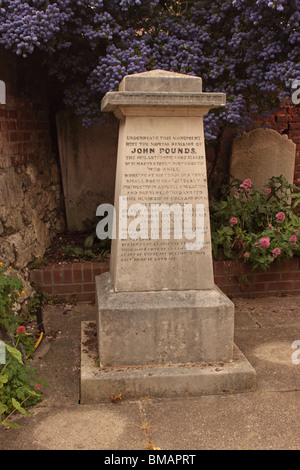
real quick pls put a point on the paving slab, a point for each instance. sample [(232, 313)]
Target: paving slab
[(236, 422), (265, 419)]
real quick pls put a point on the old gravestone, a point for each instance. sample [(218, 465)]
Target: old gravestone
[(162, 324), (261, 154)]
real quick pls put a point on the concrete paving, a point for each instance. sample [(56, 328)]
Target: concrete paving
[(265, 419)]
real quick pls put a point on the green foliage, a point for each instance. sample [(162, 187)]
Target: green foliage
[(17, 378), (256, 226), (17, 383), (10, 289), (92, 249)]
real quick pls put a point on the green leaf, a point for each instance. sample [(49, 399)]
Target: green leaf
[(3, 380), (3, 408), (89, 241), (15, 353), (11, 425), (18, 406)]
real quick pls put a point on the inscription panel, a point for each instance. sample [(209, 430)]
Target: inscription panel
[(164, 166)]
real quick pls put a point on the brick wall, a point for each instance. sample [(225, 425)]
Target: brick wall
[(287, 121), (24, 119), (70, 281), (236, 279), (31, 201)]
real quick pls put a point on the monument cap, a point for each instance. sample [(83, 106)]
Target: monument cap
[(161, 81)]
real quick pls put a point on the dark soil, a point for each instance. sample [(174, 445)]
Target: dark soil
[(74, 247)]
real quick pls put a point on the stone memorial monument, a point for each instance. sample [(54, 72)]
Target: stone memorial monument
[(163, 328)]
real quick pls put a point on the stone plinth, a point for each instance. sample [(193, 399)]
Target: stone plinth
[(167, 327), (159, 307)]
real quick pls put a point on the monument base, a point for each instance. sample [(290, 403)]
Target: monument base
[(161, 344), (98, 385), (162, 327)]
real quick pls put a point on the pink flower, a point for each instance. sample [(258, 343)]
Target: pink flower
[(264, 242), (268, 191), (270, 225), (246, 255), (296, 231), (280, 217), (236, 196), (276, 252), (233, 221), (21, 330), (246, 184), (278, 230), (293, 240)]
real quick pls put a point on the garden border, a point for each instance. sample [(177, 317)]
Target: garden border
[(76, 281)]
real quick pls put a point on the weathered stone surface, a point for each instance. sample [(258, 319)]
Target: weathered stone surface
[(166, 327), (261, 154), (159, 306), (161, 81), (30, 210), (162, 381), (88, 166), (162, 161)]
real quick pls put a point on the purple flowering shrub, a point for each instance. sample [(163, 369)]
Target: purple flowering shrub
[(256, 226), (245, 48)]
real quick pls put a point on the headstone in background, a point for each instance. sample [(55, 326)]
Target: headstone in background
[(261, 154), (88, 166)]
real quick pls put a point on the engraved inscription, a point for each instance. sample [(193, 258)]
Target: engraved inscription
[(169, 170)]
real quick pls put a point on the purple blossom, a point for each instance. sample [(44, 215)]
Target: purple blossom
[(244, 48)]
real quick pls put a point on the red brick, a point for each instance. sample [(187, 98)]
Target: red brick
[(280, 286), (90, 287), (218, 267), (293, 276), (97, 270), (67, 289), (86, 297), (259, 287), (48, 289), (104, 267), (57, 275), (290, 265), (67, 274), (220, 280), (87, 273), (47, 275), (77, 273), (263, 277)]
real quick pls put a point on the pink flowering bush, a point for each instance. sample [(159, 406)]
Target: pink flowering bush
[(256, 226), (264, 242)]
